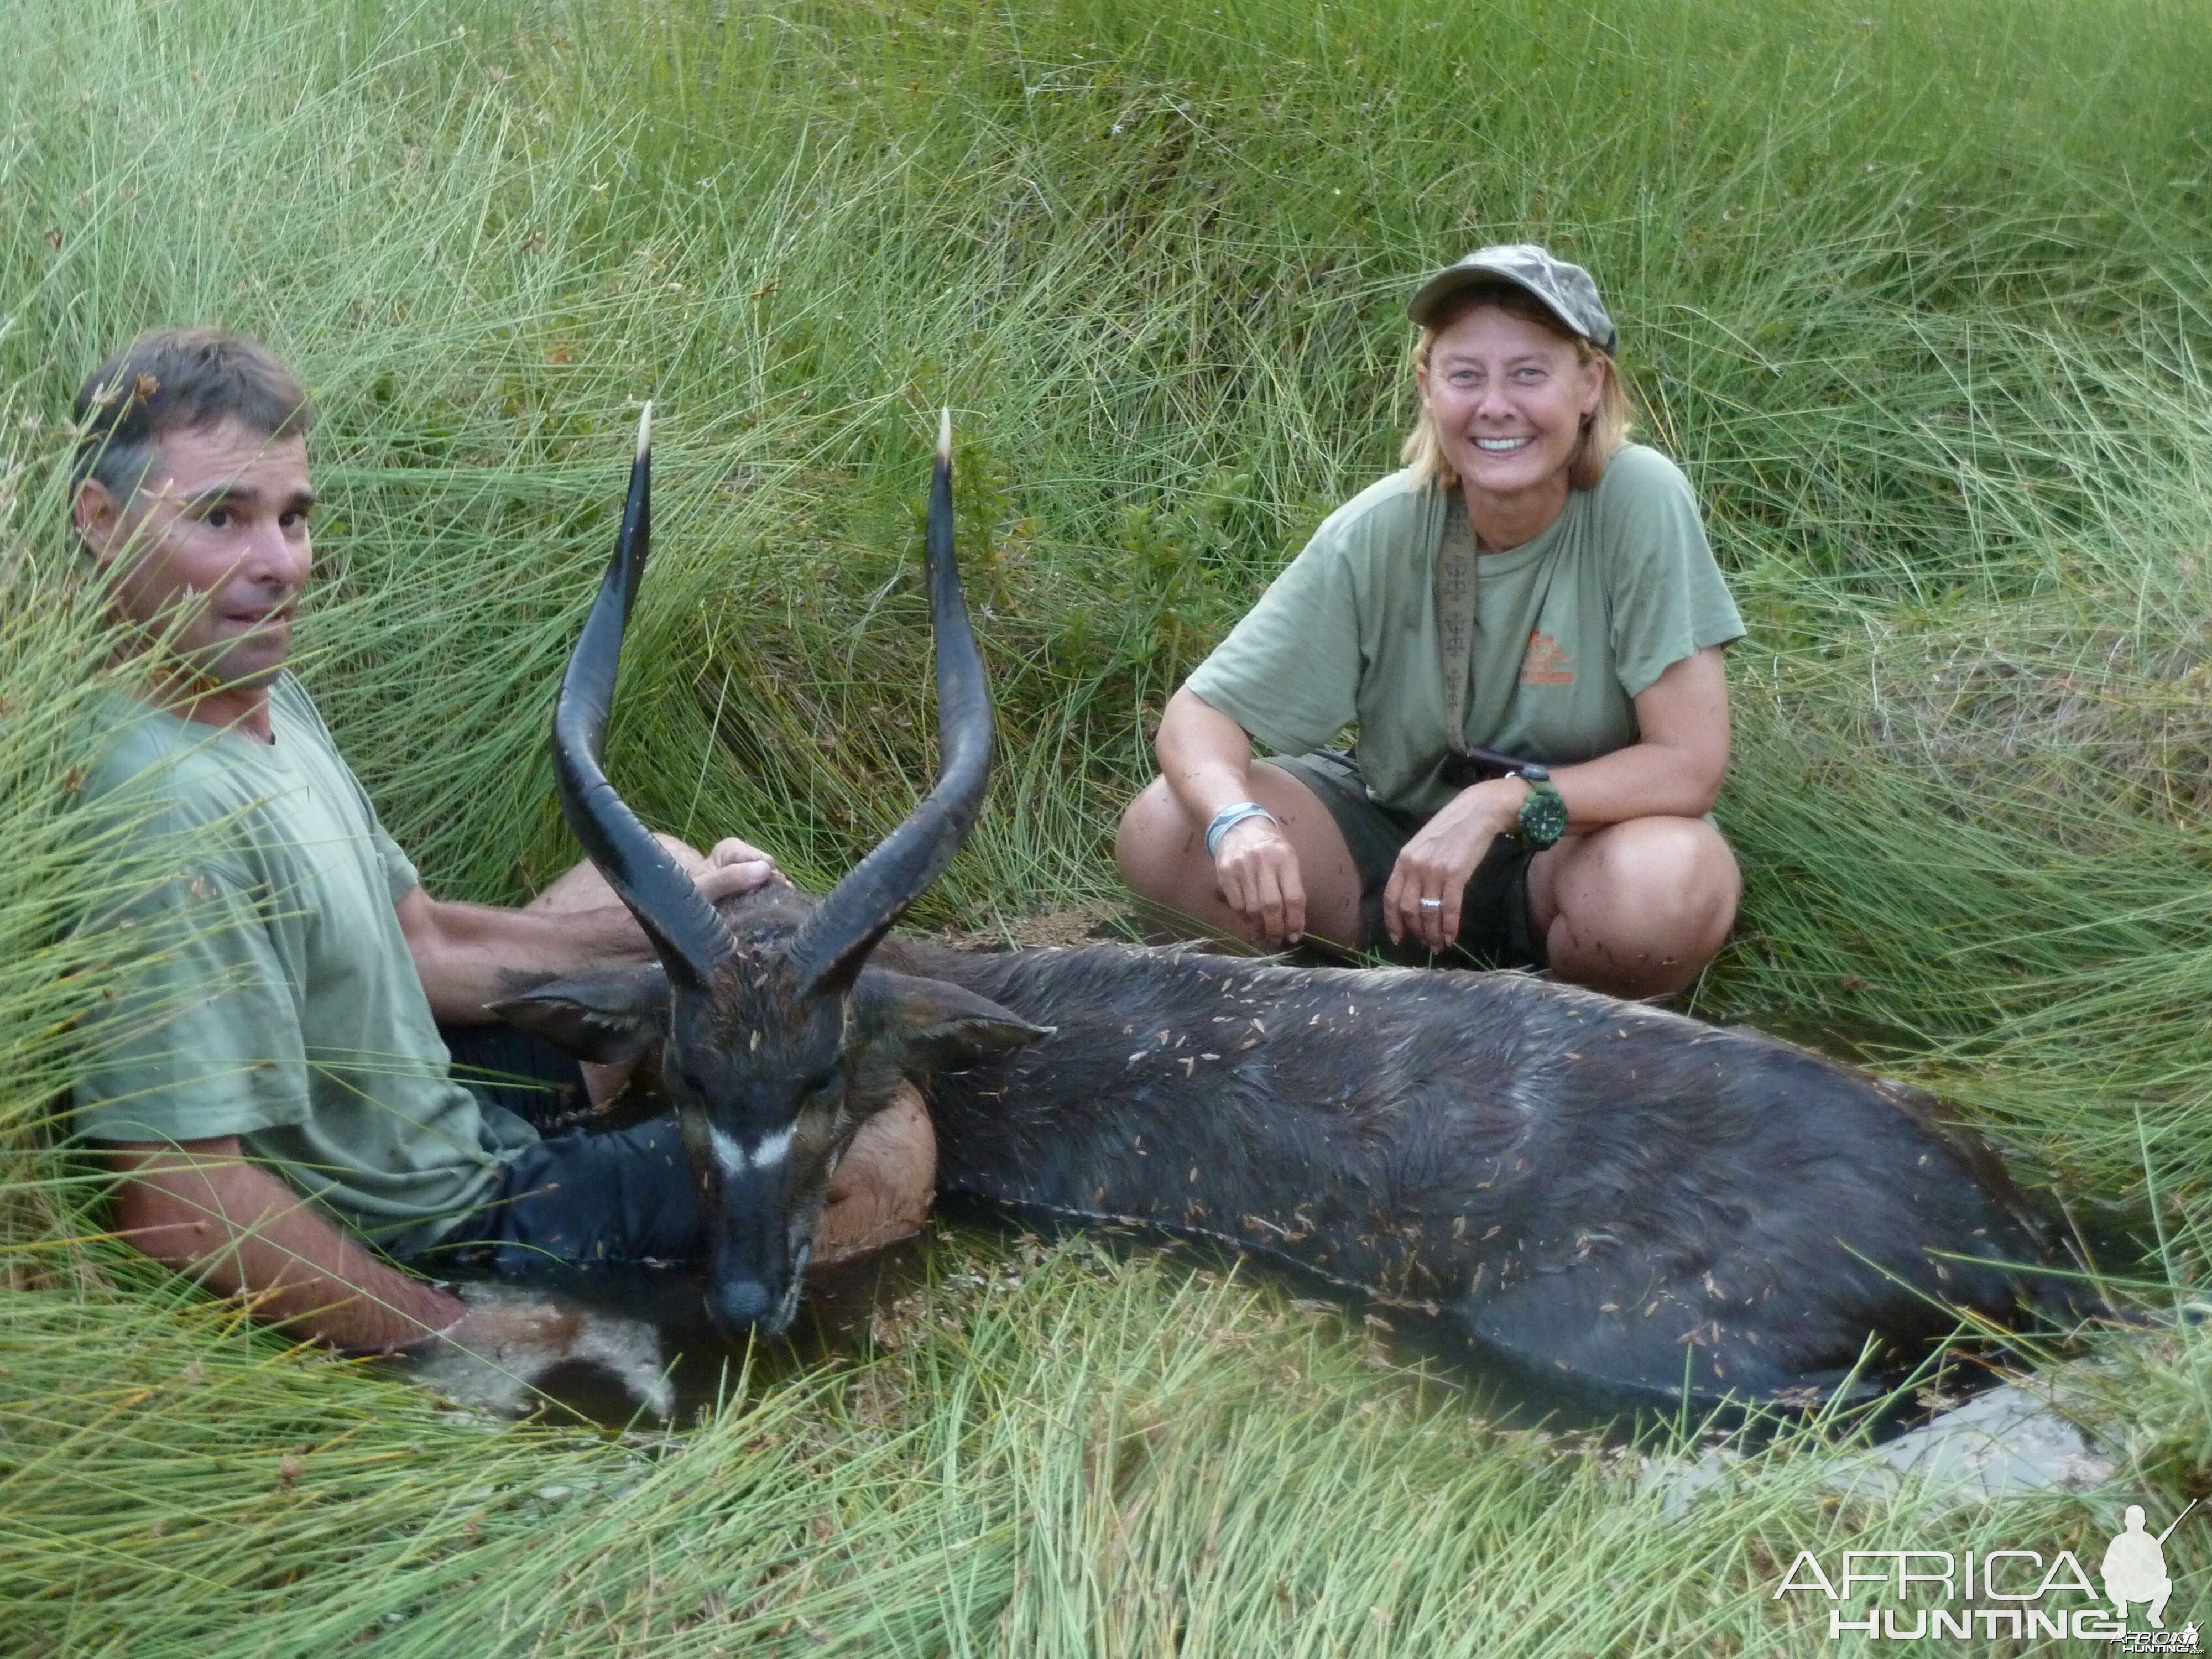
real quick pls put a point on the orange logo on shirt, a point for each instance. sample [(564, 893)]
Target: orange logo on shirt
[(1545, 662)]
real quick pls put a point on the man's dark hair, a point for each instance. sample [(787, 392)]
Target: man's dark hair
[(178, 380)]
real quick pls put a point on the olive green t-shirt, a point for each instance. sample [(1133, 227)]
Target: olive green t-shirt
[(1569, 628), (276, 1000)]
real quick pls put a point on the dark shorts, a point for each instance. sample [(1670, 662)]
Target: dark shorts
[(1494, 930), (623, 1197)]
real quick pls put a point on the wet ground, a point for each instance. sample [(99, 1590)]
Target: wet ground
[(650, 1353)]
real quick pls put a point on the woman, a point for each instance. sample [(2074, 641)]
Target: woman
[(1548, 584)]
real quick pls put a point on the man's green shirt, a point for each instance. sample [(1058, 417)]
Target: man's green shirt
[(1568, 628), (276, 1000)]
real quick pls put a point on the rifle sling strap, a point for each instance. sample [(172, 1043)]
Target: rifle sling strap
[(1455, 580)]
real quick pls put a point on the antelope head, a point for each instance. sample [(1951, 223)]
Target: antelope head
[(777, 1038)]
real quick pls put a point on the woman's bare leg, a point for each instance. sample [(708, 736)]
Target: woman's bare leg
[(1163, 857), (1636, 908)]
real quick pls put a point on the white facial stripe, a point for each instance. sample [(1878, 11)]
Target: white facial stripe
[(734, 1158), (728, 1152)]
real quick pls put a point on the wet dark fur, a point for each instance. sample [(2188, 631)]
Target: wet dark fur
[(1585, 1184), (1591, 1187)]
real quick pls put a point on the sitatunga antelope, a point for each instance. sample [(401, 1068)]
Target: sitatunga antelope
[(1601, 1191)]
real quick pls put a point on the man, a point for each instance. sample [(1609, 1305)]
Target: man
[(274, 1088)]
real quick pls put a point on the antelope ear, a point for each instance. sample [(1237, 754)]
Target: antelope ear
[(610, 1016), (940, 1027)]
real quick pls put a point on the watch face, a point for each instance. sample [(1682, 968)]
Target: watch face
[(1543, 817)]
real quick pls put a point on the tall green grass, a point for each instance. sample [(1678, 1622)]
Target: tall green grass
[(1919, 294)]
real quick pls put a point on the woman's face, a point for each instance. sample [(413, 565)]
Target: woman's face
[(1509, 399)]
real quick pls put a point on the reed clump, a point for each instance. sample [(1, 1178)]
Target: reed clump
[(1920, 302)]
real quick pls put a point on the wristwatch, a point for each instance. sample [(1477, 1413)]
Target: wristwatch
[(1543, 818)]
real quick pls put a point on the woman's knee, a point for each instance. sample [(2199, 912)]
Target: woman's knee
[(1154, 842), (1662, 875), (1678, 875), (1640, 908)]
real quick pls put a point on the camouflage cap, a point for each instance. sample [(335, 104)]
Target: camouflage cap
[(1566, 289)]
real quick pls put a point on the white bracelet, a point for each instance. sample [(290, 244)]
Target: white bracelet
[(1228, 819)]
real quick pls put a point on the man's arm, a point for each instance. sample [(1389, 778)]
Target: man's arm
[(468, 955), (201, 1207), (465, 953)]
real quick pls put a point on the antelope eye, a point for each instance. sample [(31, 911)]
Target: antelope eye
[(818, 1083)]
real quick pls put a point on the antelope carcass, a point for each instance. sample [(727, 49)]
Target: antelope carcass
[(1597, 1189)]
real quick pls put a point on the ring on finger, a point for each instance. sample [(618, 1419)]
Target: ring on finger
[(1430, 903)]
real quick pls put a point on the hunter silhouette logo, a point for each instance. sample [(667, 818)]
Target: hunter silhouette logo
[(2135, 1567), (2005, 1593)]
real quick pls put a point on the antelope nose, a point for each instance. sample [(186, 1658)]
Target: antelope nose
[(737, 1304)]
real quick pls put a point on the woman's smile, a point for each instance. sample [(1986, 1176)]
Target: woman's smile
[(1509, 399)]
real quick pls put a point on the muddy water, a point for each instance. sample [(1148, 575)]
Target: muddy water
[(653, 1354), (650, 1351)]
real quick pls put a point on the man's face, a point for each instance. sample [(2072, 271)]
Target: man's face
[(211, 553)]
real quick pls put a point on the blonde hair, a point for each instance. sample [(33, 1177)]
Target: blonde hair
[(1603, 431)]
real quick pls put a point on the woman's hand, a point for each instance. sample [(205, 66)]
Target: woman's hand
[(1258, 871), (1433, 868)]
